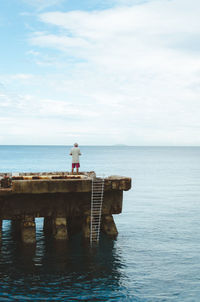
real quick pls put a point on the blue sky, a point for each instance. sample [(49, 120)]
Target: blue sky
[(100, 72)]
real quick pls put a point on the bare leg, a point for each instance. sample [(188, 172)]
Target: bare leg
[(72, 170), (76, 170)]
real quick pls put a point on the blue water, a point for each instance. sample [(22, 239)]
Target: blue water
[(156, 256)]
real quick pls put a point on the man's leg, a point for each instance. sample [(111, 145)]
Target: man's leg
[(72, 168), (77, 167)]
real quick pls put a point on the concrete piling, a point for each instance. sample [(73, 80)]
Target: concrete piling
[(86, 228), (0, 228), (48, 225), (108, 226), (59, 228), (28, 230)]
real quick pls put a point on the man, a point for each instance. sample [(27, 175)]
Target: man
[(75, 152)]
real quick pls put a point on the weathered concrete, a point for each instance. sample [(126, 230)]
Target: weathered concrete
[(108, 226), (48, 225), (59, 227), (86, 228), (16, 226), (28, 229), (0, 228), (63, 200)]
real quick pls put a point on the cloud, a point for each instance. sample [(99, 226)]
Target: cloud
[(120, 75), (140, 37)]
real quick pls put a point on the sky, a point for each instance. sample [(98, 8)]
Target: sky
[(100, 72)]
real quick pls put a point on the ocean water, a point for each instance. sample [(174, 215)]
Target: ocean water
[(156, 256)]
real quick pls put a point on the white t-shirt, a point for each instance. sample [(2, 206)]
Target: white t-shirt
[(75, 152)]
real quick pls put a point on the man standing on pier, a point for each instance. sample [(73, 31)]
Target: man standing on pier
[(75, 152)]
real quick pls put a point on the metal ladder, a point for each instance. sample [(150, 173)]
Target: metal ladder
[(96, 208)]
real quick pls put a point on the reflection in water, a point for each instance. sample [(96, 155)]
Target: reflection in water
[(53, 271)]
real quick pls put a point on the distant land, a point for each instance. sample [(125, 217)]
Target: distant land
[(120, 145)]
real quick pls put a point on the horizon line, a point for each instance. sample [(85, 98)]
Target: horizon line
[(112, 145)]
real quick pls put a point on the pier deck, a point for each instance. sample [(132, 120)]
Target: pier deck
[(63, 200)]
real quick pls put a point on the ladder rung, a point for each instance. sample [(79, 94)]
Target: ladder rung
[(97, 194), (96, 206), (97, 198), (97, 181), (97, 187)]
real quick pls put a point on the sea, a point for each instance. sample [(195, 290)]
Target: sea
[(156, 256)]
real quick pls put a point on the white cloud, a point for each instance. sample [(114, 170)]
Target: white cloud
[(121, 75)]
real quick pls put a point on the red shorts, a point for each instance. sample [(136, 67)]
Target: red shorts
[(77, 165)]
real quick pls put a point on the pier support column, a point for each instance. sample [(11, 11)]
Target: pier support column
[(16, 227), (86, 228), (108, 226), (59, 228), (0, 228), (28, 229), (74, 224), (48, 225)]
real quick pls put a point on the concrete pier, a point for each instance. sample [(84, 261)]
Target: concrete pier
[(63, 200)]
